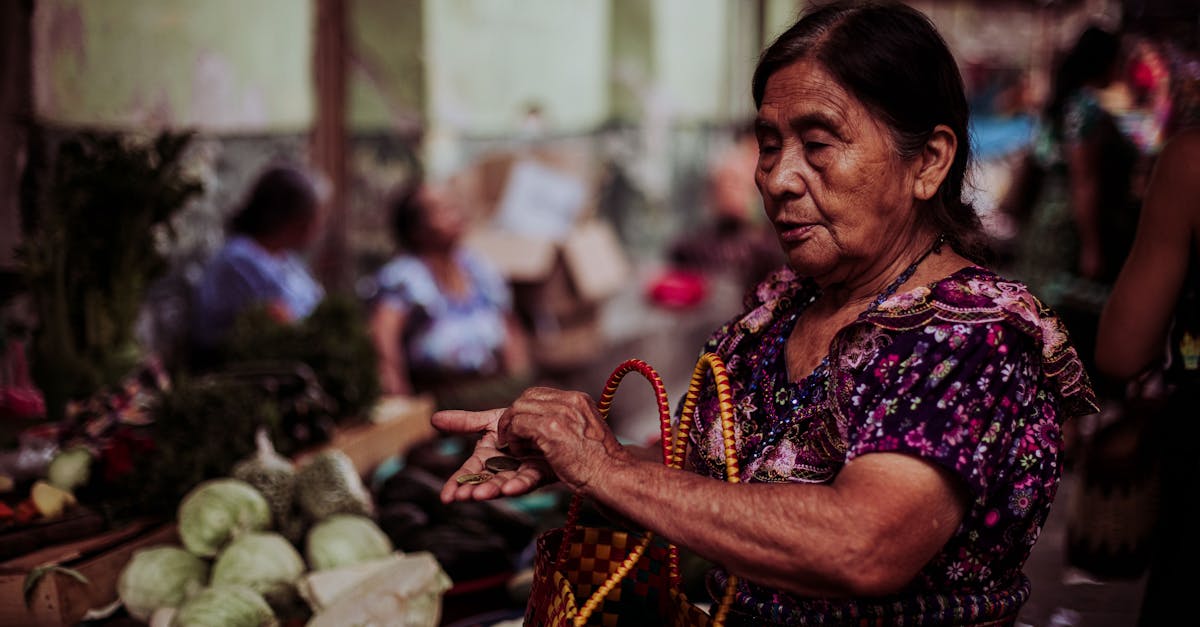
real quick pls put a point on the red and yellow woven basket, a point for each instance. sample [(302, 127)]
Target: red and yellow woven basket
[(625, 578)]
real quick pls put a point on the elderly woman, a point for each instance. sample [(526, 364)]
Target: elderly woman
[(898, 406)]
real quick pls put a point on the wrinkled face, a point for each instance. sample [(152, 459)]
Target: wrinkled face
[(831, 180), (443, 221)]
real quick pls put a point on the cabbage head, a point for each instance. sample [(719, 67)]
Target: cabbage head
[(264, 562), (70, 469), (344, 540), (215, 511), (225, 606), (159, 576)]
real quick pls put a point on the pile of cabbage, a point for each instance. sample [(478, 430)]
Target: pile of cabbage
[(233, 565)]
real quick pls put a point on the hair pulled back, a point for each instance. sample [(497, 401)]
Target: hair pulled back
[(281, 195), (891, 58)]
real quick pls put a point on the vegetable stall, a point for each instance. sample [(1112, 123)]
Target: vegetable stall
[(264, 482), (227, 533)]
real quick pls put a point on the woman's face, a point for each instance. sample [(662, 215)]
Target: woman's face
[(443, 221), (832, 183)]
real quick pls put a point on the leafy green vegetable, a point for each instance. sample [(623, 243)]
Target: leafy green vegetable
[(333, 341), (327, 484), (70, 468), (264, 562), (274, 476), (90, 252), (36, 575), (217, 511), (225, 606), (345, 540), (160, 576), (201, 427)]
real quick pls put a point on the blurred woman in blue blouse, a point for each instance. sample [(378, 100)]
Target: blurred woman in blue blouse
[(260, 262), (442, 317)]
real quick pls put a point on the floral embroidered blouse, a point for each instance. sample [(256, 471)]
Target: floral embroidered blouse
[(972, 373)]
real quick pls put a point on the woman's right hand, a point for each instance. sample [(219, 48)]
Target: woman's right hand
[(532, 473)]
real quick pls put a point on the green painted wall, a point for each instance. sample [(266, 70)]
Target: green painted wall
[(492, 58), (778, 15), (693, 55), (632, 52), (218, 65), (386, 69)]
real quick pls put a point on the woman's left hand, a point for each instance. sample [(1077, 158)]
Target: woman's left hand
[(564, 428)]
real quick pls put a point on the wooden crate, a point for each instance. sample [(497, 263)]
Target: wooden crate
[(59, 599)]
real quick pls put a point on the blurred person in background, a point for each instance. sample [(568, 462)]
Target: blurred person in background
[(1152, 321), (734, 238), (1079, 225), (897, 405), (442, 316), (260, 263)]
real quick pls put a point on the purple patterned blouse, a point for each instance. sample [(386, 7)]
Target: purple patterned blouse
[(972, 373)]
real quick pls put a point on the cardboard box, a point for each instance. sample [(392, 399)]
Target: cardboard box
[(559, 288), (59, 599), (537, 227)]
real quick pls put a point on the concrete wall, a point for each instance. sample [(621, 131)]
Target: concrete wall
[(491, 60), (217, 65), (387, 71)]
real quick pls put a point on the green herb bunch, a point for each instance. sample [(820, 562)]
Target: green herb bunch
[(92, 247)]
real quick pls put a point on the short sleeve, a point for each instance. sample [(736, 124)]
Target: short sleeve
[(243, 281), (400, 284), (234, 279), (956, 394), (488, 280)]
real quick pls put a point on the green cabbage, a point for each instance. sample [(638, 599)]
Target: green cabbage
[(70, 468), (264, 562), (217, 510), (344, 540), (328, 484), (159, 576), (225, 606)]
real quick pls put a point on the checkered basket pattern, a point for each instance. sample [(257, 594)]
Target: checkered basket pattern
[(613, 578)]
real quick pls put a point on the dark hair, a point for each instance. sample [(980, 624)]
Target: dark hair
[(1092, 58), (280, 195), (407, 215), (891, 58)]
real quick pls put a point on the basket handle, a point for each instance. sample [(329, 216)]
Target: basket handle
[(707, 362), (604, 405), (673, 456)]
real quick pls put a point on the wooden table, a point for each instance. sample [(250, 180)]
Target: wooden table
[(396, 425)]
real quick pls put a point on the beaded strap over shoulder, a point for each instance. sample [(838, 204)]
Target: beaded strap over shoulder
[(674, 450)]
